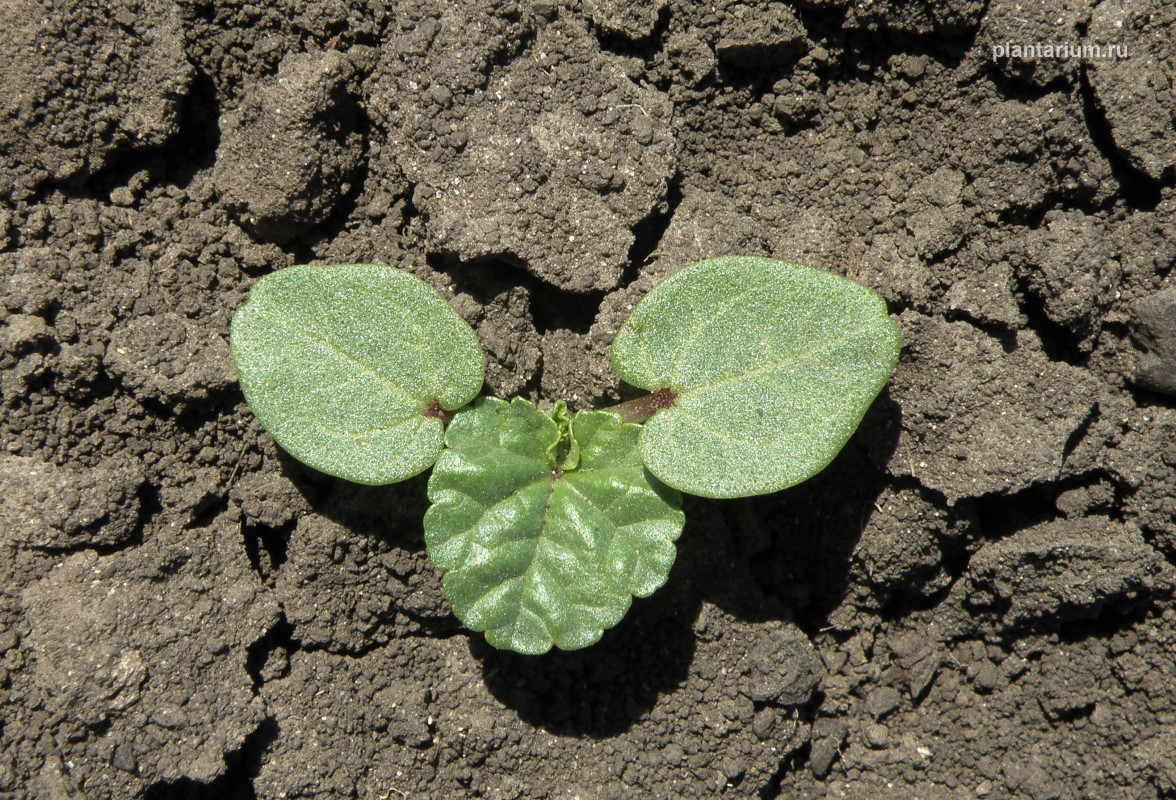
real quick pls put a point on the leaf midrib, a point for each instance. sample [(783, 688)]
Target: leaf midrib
[(423, 337), (526, 573), (328, 344), (513, 625), (698, 327), (351, 433), (388, 277), (790, 358)]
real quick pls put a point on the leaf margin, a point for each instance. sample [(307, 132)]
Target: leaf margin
[(255, 352), (560, 481), (645, 365)]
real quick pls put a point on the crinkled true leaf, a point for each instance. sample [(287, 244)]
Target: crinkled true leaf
[(348, 366), (774, 365), (538, 556)]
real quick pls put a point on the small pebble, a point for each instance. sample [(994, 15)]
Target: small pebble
[(828, 734), (987, 678), (876, 735), (122, 196), (1154, 328), (1102, 716), (170, 716), (732, 769), (123, 758), (882, 701)]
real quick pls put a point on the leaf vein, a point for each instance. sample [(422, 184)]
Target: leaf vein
[(396, 388), (489, 509), (697, 329), (421, 333), (784, 361), (353, 433), (597, 509)]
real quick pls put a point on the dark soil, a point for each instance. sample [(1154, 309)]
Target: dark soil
[(974, 601)]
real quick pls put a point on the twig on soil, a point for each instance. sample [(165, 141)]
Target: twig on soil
[(633, 105), (237, 467)]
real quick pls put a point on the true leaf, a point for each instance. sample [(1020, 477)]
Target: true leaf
[(538, 555), (771, 366), (349, 367)]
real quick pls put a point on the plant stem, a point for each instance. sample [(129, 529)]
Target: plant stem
[(434, 410), (642, 408)]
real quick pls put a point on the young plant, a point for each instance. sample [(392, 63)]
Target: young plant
[(548, 523)]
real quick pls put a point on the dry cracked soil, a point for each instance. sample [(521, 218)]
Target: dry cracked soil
[(975, 600)]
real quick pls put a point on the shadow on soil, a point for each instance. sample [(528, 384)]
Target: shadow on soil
[(781, 556)]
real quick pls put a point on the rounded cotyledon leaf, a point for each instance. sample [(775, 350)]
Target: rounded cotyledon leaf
[(770, 367), (352, 367), (547, 527)]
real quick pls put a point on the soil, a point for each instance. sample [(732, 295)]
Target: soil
[(975, 600)]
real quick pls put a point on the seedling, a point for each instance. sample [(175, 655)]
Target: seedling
[(548, 523)]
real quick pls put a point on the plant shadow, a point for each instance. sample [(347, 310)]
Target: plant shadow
[(602, 690), (392, 512), (790, 553), (784, 556)]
